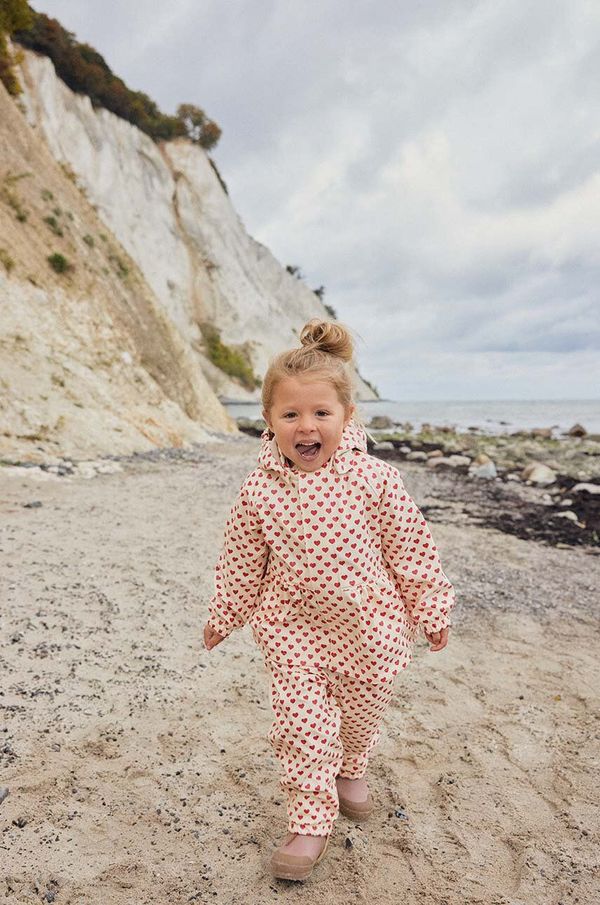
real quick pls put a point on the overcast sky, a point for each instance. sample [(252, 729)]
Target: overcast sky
[(436, 165)]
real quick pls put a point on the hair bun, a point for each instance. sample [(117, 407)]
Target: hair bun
[(335, 339)]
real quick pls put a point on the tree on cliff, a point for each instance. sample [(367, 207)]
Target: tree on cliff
[(14, 14), (86, 71), (198, 127)]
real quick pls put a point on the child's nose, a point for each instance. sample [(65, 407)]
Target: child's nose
[(307, 424)]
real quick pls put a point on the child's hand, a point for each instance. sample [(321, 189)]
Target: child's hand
[(438, 640), (211, 638)]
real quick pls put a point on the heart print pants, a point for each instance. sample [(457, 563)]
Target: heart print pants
[(326, 724)]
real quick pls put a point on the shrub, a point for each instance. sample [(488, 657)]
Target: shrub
[(47, 195), (232, 361), (59, 263), (122, 268), (89, 240), (6, 259), (86, 71), (14, 14), (13, 200), (54, 225)]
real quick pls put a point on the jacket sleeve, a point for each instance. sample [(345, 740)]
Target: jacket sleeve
[(410, 553), (239, 570)]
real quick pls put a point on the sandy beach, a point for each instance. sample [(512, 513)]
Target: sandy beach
[(137, 764)]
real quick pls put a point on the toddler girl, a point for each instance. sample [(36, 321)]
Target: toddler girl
[(334, 567)]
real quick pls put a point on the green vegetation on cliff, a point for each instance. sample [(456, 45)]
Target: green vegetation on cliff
[(14, 14), (86, 71), (234, 362)]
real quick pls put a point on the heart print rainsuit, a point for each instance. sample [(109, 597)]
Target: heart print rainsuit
[(334, 570)]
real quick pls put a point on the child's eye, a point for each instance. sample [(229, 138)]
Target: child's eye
[(322, 412)]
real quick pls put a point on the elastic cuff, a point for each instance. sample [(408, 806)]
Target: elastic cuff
[(352, 772), (317, 829), (435, 626), (220, 626)]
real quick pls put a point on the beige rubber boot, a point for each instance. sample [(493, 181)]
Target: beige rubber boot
[(294, 867), (356, 810)]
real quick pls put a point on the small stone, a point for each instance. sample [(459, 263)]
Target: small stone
[(586, 488), (483, 470), (435, 452), (417, 456), (35, 504), (544, 432), (453, 461), (538, 473), (381, 422), (3, 793), (569, 514), (438, 462), (348, 843), (384, 444), (578, 430), (401, 814)]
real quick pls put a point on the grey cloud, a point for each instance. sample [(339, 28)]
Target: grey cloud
[(432, 164)]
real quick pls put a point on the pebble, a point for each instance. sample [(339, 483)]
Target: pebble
[(588, 488), (401, 814), (572, 516), (453, 461), (381, 422), (3, 793), (538, 473), (484, 470)]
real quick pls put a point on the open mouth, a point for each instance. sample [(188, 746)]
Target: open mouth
[(308, 451)]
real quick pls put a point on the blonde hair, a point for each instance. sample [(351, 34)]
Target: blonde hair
[(327, 350)]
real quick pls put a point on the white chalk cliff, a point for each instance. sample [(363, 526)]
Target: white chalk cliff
[(157, 249)]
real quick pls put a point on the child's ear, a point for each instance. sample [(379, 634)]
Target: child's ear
[(267, 420), (350, 415)]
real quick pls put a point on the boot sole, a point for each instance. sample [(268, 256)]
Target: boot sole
[(283, 870)]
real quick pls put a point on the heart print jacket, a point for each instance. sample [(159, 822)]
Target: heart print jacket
[(333, 568)]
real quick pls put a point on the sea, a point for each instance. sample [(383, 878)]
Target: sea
[(498, 416)]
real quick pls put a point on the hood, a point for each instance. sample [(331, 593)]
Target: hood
[(271, 458)]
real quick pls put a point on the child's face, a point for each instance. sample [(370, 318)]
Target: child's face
[(307, 419)]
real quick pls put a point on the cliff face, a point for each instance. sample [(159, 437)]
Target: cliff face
[(166, 206), (101, 348)]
